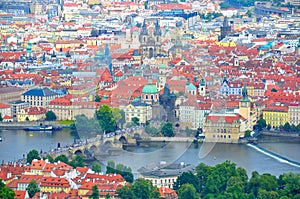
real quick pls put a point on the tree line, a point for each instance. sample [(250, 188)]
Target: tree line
[(226, 180)]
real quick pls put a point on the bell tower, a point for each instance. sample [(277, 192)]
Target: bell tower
[(245, 106), (202, 87)]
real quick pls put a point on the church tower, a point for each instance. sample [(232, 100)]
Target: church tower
[(298, 47), (150, 43), (28, 50), (202, 87), (225, 29), (245, 106)]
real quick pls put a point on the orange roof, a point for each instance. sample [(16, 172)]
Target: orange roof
[(20, 194), (4, 106)]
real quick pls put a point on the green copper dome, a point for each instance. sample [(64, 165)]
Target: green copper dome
[(149, 89)]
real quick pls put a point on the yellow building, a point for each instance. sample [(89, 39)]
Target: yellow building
[(31, 114), (276, 115), (55, 185), (226, 43)]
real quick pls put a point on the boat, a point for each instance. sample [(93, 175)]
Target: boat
[(40, 128), (0, 139)]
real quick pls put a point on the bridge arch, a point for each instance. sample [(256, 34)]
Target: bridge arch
[(123, 139), (78, 152), (93, 148), (137, 136)]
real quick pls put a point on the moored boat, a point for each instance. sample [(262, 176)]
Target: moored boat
[(40, 128)]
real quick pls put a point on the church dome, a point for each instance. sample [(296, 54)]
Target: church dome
[(149, 89)]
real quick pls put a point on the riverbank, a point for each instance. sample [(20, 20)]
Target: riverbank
[(22, 125), (280, 134)]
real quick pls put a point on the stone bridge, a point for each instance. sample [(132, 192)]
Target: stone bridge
[(104, 144)]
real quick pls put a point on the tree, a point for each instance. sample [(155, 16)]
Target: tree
[(77, 162), (121, 169), (62, 158), (249, 13), (186, 178), (106, 119), (95, 193), (1, 118), (135, 121), (32, 188), (247, 133), (125, 192), (97, 98), (269, 127), (167, 129), (274, 90), (110, 167), (287, 127), (96, 167), (261, 123), (50, 116), (144, 189), (151, 130), (49, 158), (33, 154), (6, 192), (119, 116), (187, 191)]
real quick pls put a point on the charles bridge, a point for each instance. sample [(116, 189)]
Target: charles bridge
[(107, 144)]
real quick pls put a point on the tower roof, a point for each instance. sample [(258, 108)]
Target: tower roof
[(245, 95), (149, 89)]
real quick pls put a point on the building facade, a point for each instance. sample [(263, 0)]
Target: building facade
[(225, 128), (32, 114), (139, 110), (294, 114), (39, 97), (276, 116)]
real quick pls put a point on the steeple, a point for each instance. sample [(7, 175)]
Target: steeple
[(202, 83), (3, 48), (144, 30), (245, 94), (29, 49), (157, 31)]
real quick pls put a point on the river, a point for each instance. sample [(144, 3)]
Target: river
[(17, 143)]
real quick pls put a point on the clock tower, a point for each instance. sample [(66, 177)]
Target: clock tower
[(245, 106)]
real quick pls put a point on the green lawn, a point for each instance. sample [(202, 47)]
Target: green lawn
[(66, 122)]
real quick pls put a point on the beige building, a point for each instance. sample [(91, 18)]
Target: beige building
[(224, 127), (8, 94), (65, 109), (138, 109), (192, 114), (294, 114), (39, 97), (5, 110)]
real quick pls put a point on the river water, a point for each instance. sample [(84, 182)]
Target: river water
[(17, 143)]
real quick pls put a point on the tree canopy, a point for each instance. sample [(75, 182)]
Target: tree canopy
[(167, 129), (50, 116), (33, 154), (106, 119), (6, 192), (96, 167), (62, 158), (32, 188), (225, 180), (95, 193), (121, 169)]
